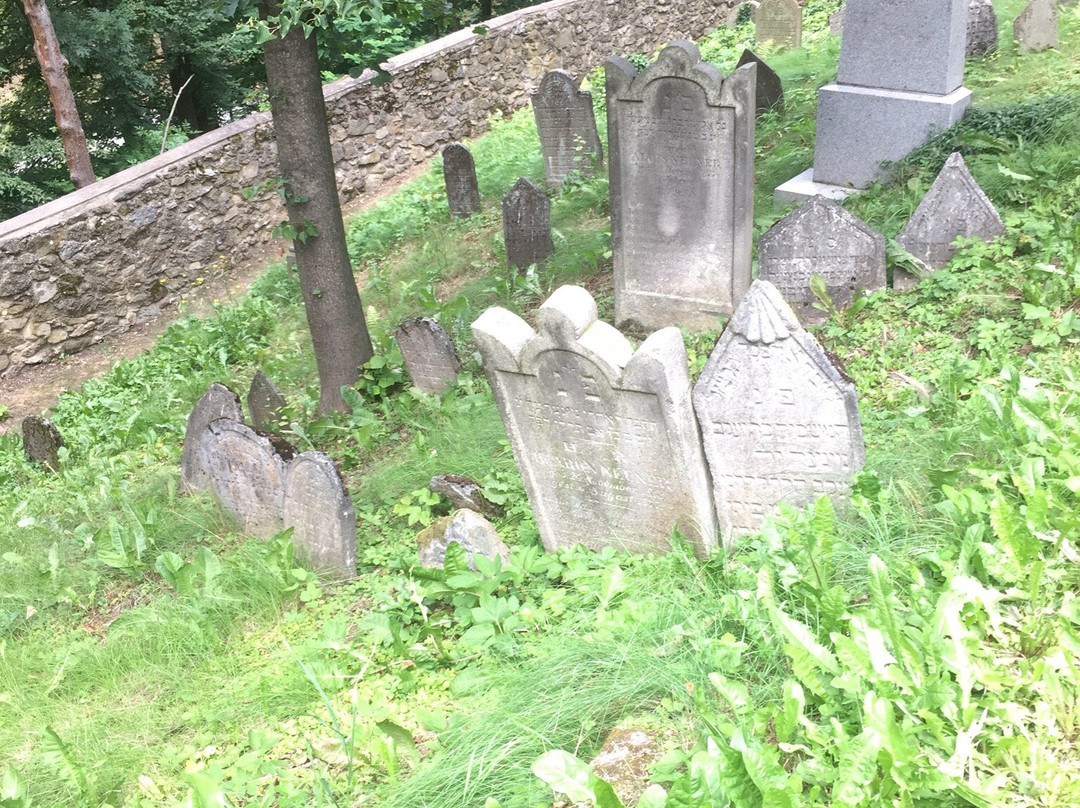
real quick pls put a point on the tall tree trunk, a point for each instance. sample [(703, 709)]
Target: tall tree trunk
[(335, 314), (54, 70)]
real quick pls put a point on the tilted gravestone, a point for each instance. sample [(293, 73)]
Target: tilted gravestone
[(266, 403), (566, 125), (982, 28), (769, 90), (778, 22), (42, 442), (317, 507), (954, 207), (217, 402), (1036, 29), (526, 225), (604, 436), (459, 176), (681, 138), (821, 238), (429, 355), (780, 422)]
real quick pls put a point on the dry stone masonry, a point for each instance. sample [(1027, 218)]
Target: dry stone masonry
[(778, 22), (459, 176), (317, 507), (216, 403), (429, 355), (566, 126), (526, 225)]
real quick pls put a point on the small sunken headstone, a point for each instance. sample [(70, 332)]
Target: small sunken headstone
[(459, 174), (681, 138), (604, 436), (429, 355), (526, 225), (778, 22), (780, 421), (770, 92), (982, 28), (266, 403), (42, 442), (954, 207), (566, 125), (217, 402), (317, 507), (464, 493), (476, 535), (1036, 29), (821, 238)]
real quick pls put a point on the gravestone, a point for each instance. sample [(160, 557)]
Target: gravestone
[(566, 125), (604, 436), (821, 238), (317, 507), (954, 207), (836, 22), (429, 355), (1036, 29), (982, 28), (526, 225), (476, 535), (42, 442), (681, 138), (217, 402), (780, 422), (464, 493), (778, 22), (459, 176), (265, 403), (769, 90)]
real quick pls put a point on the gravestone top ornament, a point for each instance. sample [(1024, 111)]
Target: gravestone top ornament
[(566, 125), (526, 225), (429, 355), (217, 402), (459, 176), (778, 22), (42, 442)]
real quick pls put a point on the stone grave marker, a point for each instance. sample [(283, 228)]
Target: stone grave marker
[(604, 436), (769, 90), (1036, 29), (526, 225), (954, 207), (459, 175), (317, 507), (476, 535), (836, 22), (982, 28), (42, 442), (778, 22), (566, 125), (821, 238), (780, 422), (681, 138), (429, 355), (266, 403), (464, 492), (217, 402)]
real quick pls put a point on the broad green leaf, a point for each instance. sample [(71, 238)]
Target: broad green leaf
[(572, 777)]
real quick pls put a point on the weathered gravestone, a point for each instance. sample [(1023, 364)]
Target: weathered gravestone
[(459, 175), (217, 402), (604, 437), (821, 238), (778, 22), (780, 422), (464, 493), (266, 403), (982, 28), (681, 138), (429, 355), (954, 207), (836, 22), (769, 90), (526, 225), (317, 507), (476, 535), (1036, 29), (42, 442), (566, 125)]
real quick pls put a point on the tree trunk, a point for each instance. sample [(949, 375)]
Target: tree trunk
[(335, 314), (54, 70)]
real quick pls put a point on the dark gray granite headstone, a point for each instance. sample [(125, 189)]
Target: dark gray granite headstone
[(821, 238), (429, 355), (459, 174), (317, 507), (566, 125), (217, 402), (42, 442), (770, 92), (526, 225), (265, 403), (778, 22), (982, 28), (1036, 29)]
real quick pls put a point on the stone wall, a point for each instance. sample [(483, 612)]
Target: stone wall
[(94, 262)]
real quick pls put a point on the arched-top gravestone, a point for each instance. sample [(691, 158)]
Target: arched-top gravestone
[(217, 402), (526, 225), (681, 141), (780, 422), (42, 442), (459, 175), (778, 22), (317, 507), (604, 437), (266, 403), (566, 125), (429, 355), (769, 90), (1036, 29)]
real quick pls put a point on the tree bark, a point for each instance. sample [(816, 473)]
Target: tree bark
[(335, 314), (54, 70)]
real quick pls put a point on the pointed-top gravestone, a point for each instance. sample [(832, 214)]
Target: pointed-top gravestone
[(217, 402), (566, 125), (982, 28), (778, 22), (1036, 29), (265, 403), (459, 175), (681, 141), (317, 507), (526, 225), (821, 238), (604, 436), (954, 207), (770, 92), (42, 442), (429, 355), (780, 422)]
